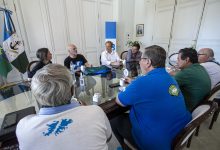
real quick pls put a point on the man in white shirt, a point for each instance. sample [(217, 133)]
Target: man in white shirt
[(207, 60), (110, 57), (61, 122)]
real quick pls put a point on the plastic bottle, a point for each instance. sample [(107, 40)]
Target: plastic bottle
[(82, 82), (72, 67), (72, 70), (82, 68)]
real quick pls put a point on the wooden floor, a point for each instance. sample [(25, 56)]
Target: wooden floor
[(207, 139)]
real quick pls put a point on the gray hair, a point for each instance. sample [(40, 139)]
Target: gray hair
[(51, 85), (210, 53), (156, 54)]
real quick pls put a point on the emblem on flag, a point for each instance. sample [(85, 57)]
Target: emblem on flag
[(13, 45)]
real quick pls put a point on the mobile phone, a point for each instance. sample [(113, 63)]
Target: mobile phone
[(9, 120), (114, 85)]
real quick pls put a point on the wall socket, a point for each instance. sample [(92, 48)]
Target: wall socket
[(128, 36)]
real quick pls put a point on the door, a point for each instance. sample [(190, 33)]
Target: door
[(209, 34), (94, 13), (186, 24), (105, 14), (89, 15), (163, 22)]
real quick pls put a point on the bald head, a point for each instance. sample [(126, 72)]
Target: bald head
[(72, 49), (205, 54)]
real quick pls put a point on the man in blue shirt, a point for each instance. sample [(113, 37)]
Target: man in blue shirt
[(158, 111)]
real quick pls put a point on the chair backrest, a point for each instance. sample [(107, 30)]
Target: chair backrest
[(199, 115), (217, 84), (123, 54), (173, 59), (100, 59), (30, 65), (214, 94)]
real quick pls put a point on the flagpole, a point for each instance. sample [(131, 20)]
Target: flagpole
[(4, 4), (4, 79)]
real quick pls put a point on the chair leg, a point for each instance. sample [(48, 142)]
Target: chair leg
[(197, 131), (189, 141), (216, 114), (214, 118), (125, 147)]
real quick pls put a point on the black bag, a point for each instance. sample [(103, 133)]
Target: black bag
[(8, 133)]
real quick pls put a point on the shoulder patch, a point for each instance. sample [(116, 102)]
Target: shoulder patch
[(173, 90)]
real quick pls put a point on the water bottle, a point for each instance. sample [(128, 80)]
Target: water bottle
[(124, 63), (72, 70), (72, 67), (96, 98), (82, 68), (126, 73), (82, 82)]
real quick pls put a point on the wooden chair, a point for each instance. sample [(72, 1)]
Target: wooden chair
[(31, 65), (199, 115), (100, 60), (123, 55), (214, 96), (184, 137), (173, 59)]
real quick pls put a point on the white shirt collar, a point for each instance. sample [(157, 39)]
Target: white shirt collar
[(109, 53)]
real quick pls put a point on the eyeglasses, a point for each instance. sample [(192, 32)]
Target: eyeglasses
[(75, 49), (201, 54)]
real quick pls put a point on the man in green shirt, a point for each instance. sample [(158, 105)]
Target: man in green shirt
[(192, 78)]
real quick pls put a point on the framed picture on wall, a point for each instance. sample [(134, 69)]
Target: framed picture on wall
[(139, 30)]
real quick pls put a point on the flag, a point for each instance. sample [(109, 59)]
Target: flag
[(13, 45), (5, 66), (110, 33)]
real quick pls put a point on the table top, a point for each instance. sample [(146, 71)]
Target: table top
[(18, 96)]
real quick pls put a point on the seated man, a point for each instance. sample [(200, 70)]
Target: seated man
[(110, 57), (192, 78), (132, 59), (61, 122), (207, 60), (77, 59), (134, 54), (158, 111)]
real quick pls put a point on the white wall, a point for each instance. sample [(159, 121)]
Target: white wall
[(125, 23), (55, 23), (40, 29), (144, 14), (208, 35), (45, 27)]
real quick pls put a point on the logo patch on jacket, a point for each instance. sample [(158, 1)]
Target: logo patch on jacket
[(57, 127), (173, 90)]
